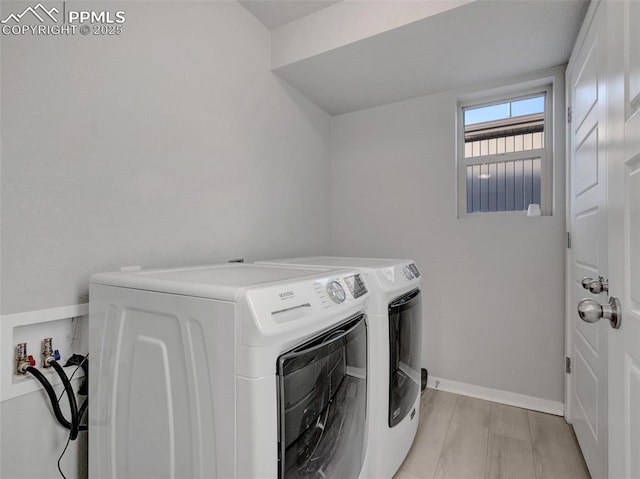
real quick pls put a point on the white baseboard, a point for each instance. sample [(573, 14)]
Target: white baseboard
[(497, 395)]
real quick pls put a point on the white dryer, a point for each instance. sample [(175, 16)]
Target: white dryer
[(233, 370), (395, 353)]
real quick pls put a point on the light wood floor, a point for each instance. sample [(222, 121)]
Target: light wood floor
[(465, 438)]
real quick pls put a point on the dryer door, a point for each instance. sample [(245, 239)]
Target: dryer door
[(405, 354), (322, 404)]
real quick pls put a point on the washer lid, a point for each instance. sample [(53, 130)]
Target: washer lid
[(222, 281)]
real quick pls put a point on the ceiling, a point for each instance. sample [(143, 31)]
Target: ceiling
[(467, 45), (477, 42), (275, 13)]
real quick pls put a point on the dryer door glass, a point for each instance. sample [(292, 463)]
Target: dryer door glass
[(405, 354), (322, 389)]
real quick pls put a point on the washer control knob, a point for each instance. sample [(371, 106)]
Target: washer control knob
[(408, 273), (336, 292)]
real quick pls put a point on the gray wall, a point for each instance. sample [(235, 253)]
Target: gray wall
[(173, 144), (493, 287)]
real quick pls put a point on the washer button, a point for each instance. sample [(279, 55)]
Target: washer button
[(336, 292)]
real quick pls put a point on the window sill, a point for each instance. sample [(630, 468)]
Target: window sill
[(501, 214)]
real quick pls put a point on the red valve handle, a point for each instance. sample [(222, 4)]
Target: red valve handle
[(31, 360)]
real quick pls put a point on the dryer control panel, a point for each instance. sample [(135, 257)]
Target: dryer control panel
[(401, 273)]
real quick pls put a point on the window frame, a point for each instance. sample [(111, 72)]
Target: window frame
[(503, 95)]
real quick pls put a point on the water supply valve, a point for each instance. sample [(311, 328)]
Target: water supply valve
[(23, 360), (48, 354)]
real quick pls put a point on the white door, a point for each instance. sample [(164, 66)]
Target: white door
[(587, 342), (623, 52)]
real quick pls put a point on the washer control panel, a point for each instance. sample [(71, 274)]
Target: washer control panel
[(340, 289), (282, 306)]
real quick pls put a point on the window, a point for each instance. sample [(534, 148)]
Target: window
[(504, 154)]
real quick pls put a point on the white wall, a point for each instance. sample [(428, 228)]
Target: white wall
[(173, 144), (347, 22), (493, 287)]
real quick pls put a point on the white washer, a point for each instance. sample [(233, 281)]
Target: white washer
[(233, 370), (395, 353)]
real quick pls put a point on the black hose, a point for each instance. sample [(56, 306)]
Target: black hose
[(52, 396), (73, 405), (81, 412), (83, 362)]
